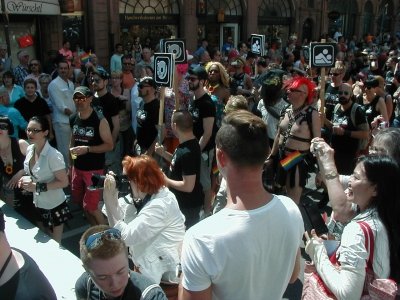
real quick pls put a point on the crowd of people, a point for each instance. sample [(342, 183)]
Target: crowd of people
[(184, 201)]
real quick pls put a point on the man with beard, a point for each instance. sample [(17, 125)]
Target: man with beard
[(105, 103), (147, 116), (203, 113), (350, 126)]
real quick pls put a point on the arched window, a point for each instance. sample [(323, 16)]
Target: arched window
[(148, 7), (231, 8), (274, 19)]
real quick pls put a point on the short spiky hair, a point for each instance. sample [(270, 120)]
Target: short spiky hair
[(298, 81)]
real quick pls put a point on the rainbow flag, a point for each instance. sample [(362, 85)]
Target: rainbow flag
[(215, 170), (291, 160)]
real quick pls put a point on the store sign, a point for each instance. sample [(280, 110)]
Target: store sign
[(27, 7)]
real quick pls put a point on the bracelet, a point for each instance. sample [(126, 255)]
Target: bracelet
[(347, 133), (87, 149), (331, 175), (41, 187)]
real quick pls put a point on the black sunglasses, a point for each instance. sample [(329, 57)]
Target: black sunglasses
[(3, 127)]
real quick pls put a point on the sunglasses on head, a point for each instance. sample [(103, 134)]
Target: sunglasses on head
[(343, 93), (96, 239)]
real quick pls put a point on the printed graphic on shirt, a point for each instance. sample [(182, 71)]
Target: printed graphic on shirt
[(82, 134)]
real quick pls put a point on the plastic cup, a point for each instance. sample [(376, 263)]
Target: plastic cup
[(73, 154), (26, 179)]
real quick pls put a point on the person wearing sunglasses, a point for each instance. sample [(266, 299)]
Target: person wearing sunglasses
[(147, 116), (46, 168), (104, 256), (336, 75), (291, 148), (35, 69), (17, 120), (12, 156), (349, 129), (373, 104), (91, 138)]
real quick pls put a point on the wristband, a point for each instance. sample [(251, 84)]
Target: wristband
[(347, 133), (41, 187), (331, 175)]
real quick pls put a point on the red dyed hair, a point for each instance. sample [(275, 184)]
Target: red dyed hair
[(144, 172), (296, 82)]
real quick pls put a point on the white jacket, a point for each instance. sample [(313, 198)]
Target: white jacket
[(154, 236)]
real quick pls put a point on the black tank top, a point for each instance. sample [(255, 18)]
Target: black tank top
[(370, 110), (18, 160), (87, 133)]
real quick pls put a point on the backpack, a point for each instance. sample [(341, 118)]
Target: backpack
[(362, 143)]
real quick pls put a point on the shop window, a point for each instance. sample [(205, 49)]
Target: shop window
[(148, 20)]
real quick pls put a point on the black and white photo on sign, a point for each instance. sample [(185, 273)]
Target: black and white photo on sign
[(164, 69), (257, 42), (177, 47)]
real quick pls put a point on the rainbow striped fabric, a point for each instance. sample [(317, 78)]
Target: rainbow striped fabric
[(291, 160)]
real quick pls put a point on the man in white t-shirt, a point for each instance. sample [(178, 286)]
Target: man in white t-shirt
[(250, 249)]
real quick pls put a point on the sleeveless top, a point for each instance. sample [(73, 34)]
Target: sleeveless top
[(86, 133), (18, 160), (370, 110)]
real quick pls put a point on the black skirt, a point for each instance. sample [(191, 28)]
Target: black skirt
[(54, 217)]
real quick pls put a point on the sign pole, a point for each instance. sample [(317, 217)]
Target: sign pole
[(161, 115), (6, 27), (322, 93)]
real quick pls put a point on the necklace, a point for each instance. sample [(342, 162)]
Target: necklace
[(212, 88), (5, 264), (7, 159), (297, 110)]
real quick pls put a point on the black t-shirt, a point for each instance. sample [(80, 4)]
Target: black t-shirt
[(87, 133), (147, 120), (107, 105), (186, 162), (343, 143), (28, 283), (331, 99), (200, 109), (138, 286), (29, 109)]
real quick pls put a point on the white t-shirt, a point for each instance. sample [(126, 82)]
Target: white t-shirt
[(244, 254)]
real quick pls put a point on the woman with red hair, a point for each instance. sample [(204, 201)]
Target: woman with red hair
[(149, 219), (291, 149)]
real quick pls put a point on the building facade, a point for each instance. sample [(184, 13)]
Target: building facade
[(102, 23)]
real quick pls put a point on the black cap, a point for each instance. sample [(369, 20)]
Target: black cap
[(149, 81), (199, 71), (371, 83), (102, 73)]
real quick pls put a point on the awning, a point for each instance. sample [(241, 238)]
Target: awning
[(27, 7)]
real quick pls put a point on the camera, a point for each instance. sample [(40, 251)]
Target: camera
[(121, 181)]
